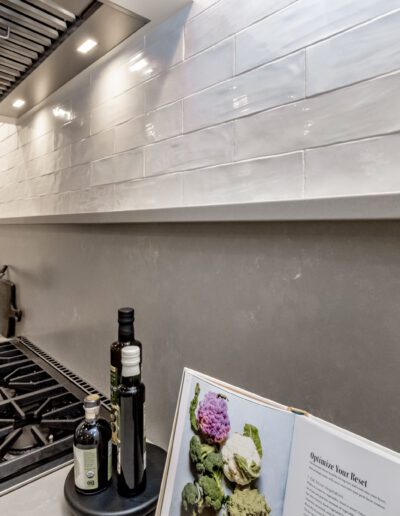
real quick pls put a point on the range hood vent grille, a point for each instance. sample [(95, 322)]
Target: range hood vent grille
[(29, 32)]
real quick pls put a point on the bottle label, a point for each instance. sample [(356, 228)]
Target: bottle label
[(109, 471), (85, 468), (114, 384)]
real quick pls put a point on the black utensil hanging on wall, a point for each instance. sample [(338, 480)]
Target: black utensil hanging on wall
[(9, 313)]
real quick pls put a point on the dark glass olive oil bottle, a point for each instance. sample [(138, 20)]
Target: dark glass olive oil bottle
[(92, 450), (131, 466), (126, 337)]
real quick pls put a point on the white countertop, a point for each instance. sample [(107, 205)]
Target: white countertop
[(43, 497)]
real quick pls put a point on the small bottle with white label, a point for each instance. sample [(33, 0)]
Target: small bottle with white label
[(92, 450), (131, 466)]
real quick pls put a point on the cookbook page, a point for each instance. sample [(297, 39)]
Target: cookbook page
[(334, 473), (233, 423)]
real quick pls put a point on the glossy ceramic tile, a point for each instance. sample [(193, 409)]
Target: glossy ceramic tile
[(38, 147), (71, 131), (44, 185), (195, 74), (120, 167), (56, 160), (32, 126), (374, 47), (136, 61), (160, 53), (302, 24), (271, 85), (364, 167), (97, 146), (8, 144), (117, 110), (226, 18), (199, 149), (163, 123), (91, 200), (114, 75), (346, 114), (156, 192), (4, 131), (197, 7), (258, 180), (75, 178)]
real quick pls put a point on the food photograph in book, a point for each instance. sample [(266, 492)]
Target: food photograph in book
[(230, 454)]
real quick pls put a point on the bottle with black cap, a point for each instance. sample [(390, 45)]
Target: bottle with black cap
[(126, 337), (131, 465), (92, 450)]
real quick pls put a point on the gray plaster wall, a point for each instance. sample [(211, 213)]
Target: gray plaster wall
[(304, 313)]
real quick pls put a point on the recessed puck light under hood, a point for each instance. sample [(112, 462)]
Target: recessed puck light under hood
[(39, 40)]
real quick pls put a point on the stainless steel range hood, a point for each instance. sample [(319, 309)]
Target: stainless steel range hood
[(39, 41)]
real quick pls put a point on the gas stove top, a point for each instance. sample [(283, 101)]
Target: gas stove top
[(40, 407)]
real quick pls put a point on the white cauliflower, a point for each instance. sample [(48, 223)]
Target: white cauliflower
[(242, 461)]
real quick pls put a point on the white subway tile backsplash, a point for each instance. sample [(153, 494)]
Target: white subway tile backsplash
[(163, 123), (154, 192), (210, 67), (160, 54), (3, 131), (120, 167), (32, 126), (73, 131), (44, 185), (8, 144), (199, 149), (347, 114), (163, 46), (75, 178), (38, 147), (117, 110), (259, 180), (302, 24), (224, 19), (7, 178), (197, 7), (95, 147), (276, 131), (271, 85), (374, 47), (163, 120), (363, 167), (56, 160), (113, 76), (91, 200), (55, 204)]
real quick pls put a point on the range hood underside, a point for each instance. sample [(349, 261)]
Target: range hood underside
[(47, 56)]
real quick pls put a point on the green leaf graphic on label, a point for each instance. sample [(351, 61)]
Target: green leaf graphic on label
[(252, 432)]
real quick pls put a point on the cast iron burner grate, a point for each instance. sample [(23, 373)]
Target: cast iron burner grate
[(40, 407)]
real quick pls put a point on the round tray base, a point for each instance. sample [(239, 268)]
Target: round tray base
[(110, 503)]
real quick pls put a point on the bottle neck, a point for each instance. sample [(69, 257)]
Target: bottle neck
[(131, 381), (126, 333), (130, 374), (91, 415)]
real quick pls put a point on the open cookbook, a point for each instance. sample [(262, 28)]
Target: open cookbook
[(235, 453)]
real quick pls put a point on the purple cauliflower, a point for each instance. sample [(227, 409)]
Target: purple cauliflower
[(212, 418)]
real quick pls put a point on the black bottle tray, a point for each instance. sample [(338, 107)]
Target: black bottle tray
[(110, 503)]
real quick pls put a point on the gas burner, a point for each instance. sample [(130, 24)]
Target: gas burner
[(6, 393), (28, 440), (40, 407)]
